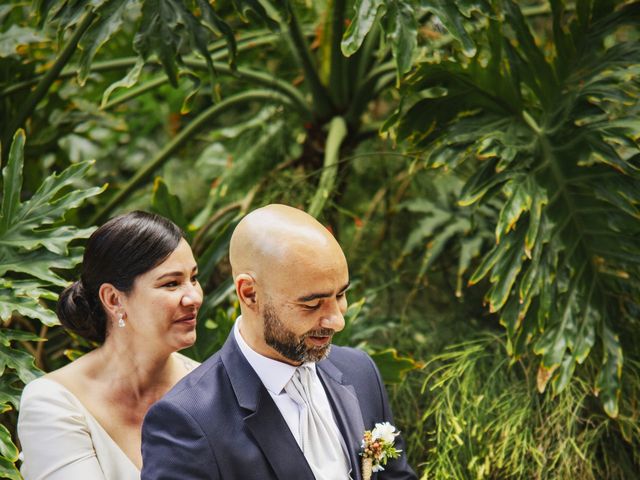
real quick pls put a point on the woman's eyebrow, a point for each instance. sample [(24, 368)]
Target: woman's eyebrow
[(177, 273), (169, 274)]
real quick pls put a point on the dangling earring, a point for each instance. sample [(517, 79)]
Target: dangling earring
[(121, 322)]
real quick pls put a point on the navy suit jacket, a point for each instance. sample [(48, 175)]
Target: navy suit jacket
[(219, 422)]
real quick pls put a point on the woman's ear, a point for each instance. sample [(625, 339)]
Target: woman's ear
[(246, 290), (110, 298)]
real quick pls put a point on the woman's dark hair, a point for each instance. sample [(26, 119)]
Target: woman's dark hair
[(116, 253)]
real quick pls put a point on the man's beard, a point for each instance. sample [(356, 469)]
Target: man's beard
[(290, 345)]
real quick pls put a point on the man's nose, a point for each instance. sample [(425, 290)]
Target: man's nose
[(334, 319)]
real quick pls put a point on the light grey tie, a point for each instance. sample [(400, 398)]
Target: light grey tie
[(319, 435)]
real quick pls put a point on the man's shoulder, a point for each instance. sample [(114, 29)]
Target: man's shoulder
[(201, 383), (349, 358), (340, 352)]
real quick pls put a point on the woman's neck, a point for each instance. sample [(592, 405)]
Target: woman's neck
[(135, 372)]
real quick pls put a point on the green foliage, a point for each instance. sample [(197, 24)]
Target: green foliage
[(34, 246), (165, 27), (399, 21), (531, 113), (551, 134), (393, 367), (444, 223), (481, 421), (337, 134)]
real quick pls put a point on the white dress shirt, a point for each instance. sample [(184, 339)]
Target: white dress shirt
[(274, 376)]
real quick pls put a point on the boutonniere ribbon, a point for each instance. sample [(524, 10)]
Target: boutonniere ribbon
[(377, 448)]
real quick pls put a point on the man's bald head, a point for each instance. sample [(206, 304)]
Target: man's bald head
[(274, 236), (290, 276)]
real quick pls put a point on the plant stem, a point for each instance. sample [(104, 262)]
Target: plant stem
[(323, 105), (367, 52), (47, 80), (364, 92), (337, 74), (134, 92), (261, 78), (165, 154), (127, 62), (72, 72), (337, 133)]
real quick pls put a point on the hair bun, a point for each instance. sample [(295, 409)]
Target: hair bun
[(77, 289), (76, 314)]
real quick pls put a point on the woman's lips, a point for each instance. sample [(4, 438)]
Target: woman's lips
[(187, 320)]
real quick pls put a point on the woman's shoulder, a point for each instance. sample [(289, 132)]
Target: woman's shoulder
[(47, 408), (186, 362), (41, 386), (54, 389), (47, 393)]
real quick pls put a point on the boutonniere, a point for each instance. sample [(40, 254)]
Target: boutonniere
[(377, 448)]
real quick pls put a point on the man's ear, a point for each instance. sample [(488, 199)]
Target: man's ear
[(246, 290), (110, 298)]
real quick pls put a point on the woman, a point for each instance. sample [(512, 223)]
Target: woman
[(138, 295)]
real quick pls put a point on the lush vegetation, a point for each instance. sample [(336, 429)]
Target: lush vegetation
[(477, 159)]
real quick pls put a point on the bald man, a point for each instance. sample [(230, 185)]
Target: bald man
[(277, 401)]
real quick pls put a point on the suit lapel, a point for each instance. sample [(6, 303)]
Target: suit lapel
[(346, 408), (263, 419)]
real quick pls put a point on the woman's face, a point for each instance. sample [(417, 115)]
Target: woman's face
[(163, 304)]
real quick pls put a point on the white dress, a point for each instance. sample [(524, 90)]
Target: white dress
[(61, 440)]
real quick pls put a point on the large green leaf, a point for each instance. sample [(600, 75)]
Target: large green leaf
[(255, 7), (166, 27), (393, 367), (18, 360), (9, 392), (365, 13), (164, 203), (608, 382), (7, 448), (399, 20), (9, 470), (109, 20), (12, 181), (34, 245), (560, 158), (38, 263), (27, 225), (29, 307), (445, 224), (449, 14), (16, 37), (401, 27)]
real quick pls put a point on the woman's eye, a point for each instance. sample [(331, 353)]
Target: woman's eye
[(170, 284), (194, 279)]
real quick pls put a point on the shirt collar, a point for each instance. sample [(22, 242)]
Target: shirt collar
[(273, 373)]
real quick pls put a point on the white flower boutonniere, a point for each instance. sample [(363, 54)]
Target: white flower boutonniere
[(377, 448)]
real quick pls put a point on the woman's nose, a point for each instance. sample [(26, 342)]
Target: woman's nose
[(193, 297)]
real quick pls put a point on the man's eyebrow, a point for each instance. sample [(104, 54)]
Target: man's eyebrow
[(177, 273), (315, 296)]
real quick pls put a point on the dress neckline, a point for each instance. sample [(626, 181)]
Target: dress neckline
[(94, 419)]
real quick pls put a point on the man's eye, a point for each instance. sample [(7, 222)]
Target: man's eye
[(194, 279), (311, 307)]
